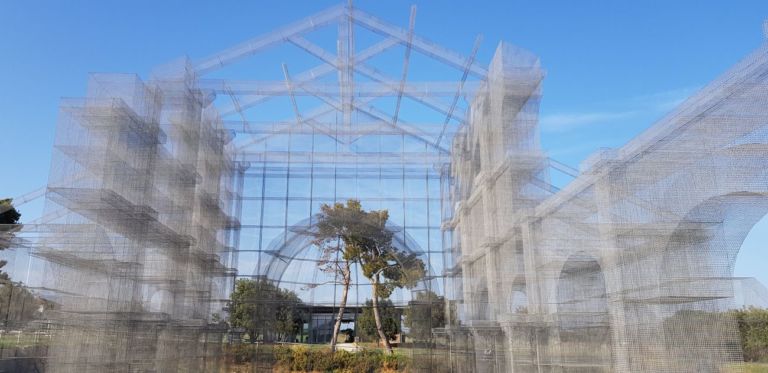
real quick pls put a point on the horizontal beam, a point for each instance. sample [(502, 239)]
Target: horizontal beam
[(310, 118), (373, 127), (312, 74), (423, 158), (373, 112), (370, 72), (406, 128), (425, 100), (384, 88)]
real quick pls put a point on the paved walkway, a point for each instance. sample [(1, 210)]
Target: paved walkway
[(351, 347)]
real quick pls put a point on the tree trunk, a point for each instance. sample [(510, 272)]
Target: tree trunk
[(347, 279), (376, 316)]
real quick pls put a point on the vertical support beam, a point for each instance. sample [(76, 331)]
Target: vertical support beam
[(406, 60), (350, 60), (605, 191), (467, 66), (344, 66), (238, 209), (289, 85), (238, 108)]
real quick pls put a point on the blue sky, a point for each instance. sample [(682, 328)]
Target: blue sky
[(613, 68)]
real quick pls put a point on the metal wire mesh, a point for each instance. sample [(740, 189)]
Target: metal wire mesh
[(163, 193)]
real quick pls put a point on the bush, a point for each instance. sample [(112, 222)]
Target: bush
[(302, 359), (393, 362), (322, 360), (367, 361), (243, 353), (753, 328), (283, 355), (342, 360)]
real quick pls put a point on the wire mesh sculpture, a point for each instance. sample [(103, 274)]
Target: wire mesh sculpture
[(163, 193)]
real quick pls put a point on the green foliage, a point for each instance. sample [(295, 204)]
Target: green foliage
[(9, 224), (302, 359), (259, 354), (339, 230), (9, 214), (242, 353), (362, 237), (19, 306), (283, 355), (349, 335), (367, 241), (265, 311), (425, 312), (745, 368), (336, 236), (367, 361), (390, 320), (753, 328), (394, 362), (755, 368)]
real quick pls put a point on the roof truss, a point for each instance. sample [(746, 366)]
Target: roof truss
[(347, 97)]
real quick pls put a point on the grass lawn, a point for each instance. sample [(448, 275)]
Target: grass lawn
[(23, 340), (748, 368)]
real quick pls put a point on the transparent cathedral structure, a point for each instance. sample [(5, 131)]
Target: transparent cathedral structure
[(165, 191)]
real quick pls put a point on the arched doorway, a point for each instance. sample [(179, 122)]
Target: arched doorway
[(697, 287), (582, 316), (750, 274)]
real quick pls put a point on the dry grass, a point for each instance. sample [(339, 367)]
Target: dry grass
[(747, 368)]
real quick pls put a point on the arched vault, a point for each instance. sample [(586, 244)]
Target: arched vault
[(296, 239)]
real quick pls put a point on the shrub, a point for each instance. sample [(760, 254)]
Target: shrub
[(343, 359), (366, 361), (302, 359), (753, 329), (394, 362), (283, 355), (322, 360), (243, 353)]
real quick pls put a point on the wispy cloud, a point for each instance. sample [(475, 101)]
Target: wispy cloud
[(628, 108), (568, 152), (564, 122), (664, 100)]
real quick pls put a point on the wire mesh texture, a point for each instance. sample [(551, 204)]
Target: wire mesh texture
[(164, 193)]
